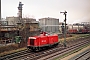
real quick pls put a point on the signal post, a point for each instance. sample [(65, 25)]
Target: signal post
[(64, 29)]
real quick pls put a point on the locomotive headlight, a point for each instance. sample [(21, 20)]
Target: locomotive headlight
[(32, 38)]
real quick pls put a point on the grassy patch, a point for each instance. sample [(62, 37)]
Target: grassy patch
[(9, 49), (75, 37), (12, 51)]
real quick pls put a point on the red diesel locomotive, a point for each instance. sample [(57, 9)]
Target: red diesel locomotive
[(43, 41)]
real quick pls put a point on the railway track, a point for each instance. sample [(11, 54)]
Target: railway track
[(82, 56), (32, 55), (28, 55), (60, 53)]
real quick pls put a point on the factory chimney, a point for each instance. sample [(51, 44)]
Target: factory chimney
[(0, 9), (20, 10)]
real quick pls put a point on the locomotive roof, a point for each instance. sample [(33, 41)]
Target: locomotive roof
[(35, 37)]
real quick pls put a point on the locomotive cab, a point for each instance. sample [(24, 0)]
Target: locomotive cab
[(31, 43)]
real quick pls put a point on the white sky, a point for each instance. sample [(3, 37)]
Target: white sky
[(77, 10)]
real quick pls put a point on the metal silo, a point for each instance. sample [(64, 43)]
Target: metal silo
[(49, 24)]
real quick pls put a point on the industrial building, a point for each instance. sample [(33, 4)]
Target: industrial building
[(3, 22), (13, 26), (49, 24), (14, 20)]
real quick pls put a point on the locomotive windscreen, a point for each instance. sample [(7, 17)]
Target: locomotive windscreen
[(32, 41)]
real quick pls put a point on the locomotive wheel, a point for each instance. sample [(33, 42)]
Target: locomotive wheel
[(37, 49), (28, 49)]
